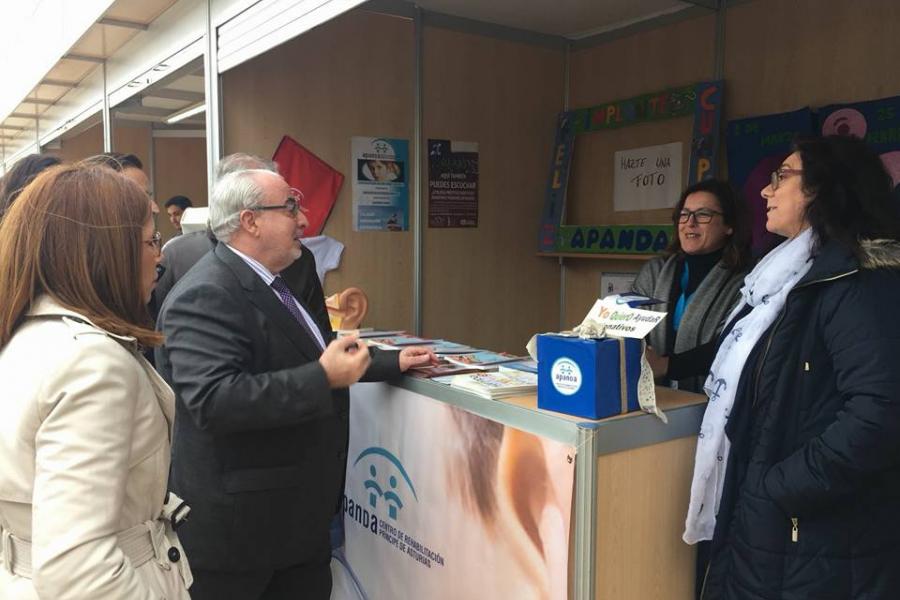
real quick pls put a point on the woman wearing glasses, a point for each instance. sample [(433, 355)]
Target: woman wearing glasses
[(797, 473), (84, 420), (699, 279)]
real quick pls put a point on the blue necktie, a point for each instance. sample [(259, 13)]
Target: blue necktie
[(287, 298)]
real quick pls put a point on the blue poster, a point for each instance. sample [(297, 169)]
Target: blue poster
[(380, 184), (756, 147)]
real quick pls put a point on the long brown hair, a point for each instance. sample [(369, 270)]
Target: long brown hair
[(75, 234)]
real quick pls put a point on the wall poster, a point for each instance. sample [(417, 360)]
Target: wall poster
[(380, 184), (756, 147), (452, 183)]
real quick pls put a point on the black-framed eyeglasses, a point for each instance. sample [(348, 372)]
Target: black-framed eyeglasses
[(701, 215), (155, 242), (291, 204), (779, 175)]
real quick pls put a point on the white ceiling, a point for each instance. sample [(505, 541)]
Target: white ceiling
[(573, 19), (119, 23), (176, 92)]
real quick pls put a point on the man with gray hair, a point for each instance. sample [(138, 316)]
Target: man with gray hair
[(260, 439), (240, 161), (183, 252)]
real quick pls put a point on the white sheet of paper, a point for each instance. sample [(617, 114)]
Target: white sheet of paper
[(647, 178)]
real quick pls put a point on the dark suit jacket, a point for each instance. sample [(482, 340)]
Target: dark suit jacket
[(259, 446), (179, 255), (184, 251)]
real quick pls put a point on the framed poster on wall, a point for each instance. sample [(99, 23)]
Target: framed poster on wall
[(452, 183), (380, 184)]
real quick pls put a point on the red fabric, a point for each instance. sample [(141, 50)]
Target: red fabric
[(311, 175)]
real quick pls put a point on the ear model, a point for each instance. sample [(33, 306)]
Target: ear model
[(347, 309), (353, 305)]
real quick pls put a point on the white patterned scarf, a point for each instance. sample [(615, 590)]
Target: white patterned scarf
[(765, 289)]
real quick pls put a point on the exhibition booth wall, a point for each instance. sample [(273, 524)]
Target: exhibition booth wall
[(777, 55), (357, 75), (176, 165), (486, 286)]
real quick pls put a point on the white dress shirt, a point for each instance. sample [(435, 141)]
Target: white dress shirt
[(268, 277)]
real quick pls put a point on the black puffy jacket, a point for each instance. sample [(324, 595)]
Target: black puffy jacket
[(811, 503)]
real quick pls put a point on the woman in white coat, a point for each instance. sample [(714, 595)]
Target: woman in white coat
[(84, 420)]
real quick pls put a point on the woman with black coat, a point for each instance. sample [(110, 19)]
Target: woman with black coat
[(797, 475)]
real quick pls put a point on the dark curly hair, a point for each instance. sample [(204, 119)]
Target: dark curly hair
[(849, 191)]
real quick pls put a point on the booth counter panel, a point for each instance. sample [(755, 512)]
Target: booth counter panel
[(629, 492), (642, 499), (684, 411), (442, 503)]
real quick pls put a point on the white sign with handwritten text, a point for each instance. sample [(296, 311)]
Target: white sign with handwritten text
[(617, 319), (647, 178)]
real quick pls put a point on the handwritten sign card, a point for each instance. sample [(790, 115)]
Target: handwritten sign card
[(647, 178), (620, 320)]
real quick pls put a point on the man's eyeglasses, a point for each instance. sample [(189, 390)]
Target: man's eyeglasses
[(779, 175), (702, 215), (155, 242), (291, 205)]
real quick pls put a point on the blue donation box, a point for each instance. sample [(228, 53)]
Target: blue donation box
[(593, 378)]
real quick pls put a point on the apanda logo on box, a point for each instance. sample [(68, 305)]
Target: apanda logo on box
[(566, 376)]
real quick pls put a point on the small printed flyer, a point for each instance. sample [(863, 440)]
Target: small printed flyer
[(452, 183), (380, 184)]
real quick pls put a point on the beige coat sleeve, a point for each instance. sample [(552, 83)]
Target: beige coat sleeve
[(82, 451)]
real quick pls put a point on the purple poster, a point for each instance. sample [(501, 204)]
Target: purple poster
[(452, 184)]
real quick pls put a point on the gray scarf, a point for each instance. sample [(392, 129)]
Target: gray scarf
[(705, 313)]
